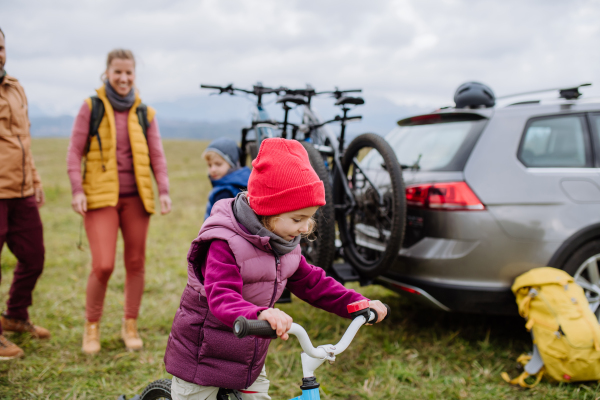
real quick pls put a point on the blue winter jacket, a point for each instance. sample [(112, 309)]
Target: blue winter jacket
[(226, 187)]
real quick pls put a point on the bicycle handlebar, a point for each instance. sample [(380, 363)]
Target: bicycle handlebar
[(338, 93), (243, 327), (257, 90)]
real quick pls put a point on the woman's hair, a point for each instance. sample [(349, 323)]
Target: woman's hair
[(2, 33), (121, 54)]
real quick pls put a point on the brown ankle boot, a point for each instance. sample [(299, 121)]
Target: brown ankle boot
[(130, 335), (21, 326), (9, 350), (91, 338)]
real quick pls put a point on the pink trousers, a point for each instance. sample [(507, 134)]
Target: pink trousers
[(102, 227)]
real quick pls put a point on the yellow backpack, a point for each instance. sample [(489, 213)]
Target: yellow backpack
[(566, 333)]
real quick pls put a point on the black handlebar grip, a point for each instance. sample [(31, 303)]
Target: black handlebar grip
[(387, 315), (210, 87), (243, 327)]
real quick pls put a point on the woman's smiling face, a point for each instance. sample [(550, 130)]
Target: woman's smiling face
[(121, 75), (294, 223)]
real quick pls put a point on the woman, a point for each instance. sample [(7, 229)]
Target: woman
[(115, 190)]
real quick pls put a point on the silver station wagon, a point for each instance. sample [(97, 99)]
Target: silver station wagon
[(495, 191)]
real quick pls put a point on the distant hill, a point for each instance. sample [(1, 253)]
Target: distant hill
[(174, 129), (210, 117)]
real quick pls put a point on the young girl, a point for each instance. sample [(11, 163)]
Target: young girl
[(244, 256)]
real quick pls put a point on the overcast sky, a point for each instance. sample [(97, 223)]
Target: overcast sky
[(410, 52)]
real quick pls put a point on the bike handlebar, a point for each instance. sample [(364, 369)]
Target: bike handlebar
[(257, 90), (338, 93), (243, 327)]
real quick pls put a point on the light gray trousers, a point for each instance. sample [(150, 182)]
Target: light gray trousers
[(182, 390)]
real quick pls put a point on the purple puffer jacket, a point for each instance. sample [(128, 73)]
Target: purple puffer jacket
[(201, 347)]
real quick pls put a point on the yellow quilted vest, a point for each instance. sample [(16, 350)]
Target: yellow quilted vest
[(565, 331), (101, 179)]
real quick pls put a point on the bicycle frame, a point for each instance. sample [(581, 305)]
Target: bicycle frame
[(328, 144), (312, 358)]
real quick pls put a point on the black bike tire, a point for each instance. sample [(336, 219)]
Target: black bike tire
[(325, 216), (160, 389), (252, 151), (390, 254)]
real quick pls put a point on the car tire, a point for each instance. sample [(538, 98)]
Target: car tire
[(583, 266)]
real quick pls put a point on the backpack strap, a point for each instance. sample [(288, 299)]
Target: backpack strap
[(142, 113), (533, 365), (96, 115), (520, 380)]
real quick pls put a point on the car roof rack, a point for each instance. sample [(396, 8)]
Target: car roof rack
[(571, 93)]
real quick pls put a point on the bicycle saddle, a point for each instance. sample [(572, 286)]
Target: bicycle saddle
[(292, 98), (349, 100)]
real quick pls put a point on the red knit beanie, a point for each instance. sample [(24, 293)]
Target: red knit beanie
[(282, 179)]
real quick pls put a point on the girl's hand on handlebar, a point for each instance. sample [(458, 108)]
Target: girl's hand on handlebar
[(379, 308), (280, 321)]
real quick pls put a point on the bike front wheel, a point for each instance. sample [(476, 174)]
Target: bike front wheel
[(160, 389), (319, 248), (370, 205)]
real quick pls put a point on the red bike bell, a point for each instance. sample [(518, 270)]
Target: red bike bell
[(357, 306)]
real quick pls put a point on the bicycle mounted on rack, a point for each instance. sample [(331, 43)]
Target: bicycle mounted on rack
[(364, 188)]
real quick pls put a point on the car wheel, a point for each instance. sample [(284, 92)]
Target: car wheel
[(583, 266)]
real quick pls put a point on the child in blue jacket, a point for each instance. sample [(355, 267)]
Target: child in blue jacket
[(228, 178)]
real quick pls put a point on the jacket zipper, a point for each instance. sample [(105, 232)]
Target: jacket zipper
[(23, 151), (277, 263)]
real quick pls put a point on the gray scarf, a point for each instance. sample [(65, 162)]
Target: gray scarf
[(118, 102), (246, 216)]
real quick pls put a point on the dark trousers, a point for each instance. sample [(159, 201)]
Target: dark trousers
[(21, 229)]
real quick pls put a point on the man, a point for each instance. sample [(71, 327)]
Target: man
[(20, 196)]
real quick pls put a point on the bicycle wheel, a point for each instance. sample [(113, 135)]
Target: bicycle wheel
[(320, 249), (252, 151), (160, 389), (371, 210)]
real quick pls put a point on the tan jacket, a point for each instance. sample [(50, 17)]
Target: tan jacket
[(18, 176)]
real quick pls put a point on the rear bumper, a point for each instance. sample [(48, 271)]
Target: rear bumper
[(448, 297)]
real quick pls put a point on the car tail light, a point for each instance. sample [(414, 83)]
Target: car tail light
[(450, 196)]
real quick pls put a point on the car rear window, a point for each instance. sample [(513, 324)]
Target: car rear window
[(441, 146)]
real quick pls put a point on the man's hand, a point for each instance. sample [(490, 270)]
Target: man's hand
[(165, 204), (379, 308), (280, 321), (79, 203), (40, 198)]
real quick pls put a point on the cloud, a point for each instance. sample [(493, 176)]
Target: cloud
[(410, 52)]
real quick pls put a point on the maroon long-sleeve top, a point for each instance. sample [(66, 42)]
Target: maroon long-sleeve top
[(127, 185)]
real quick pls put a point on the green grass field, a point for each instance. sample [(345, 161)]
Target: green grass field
[(419, 354)]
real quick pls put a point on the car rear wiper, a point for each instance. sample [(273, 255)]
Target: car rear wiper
[(413, 167)]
